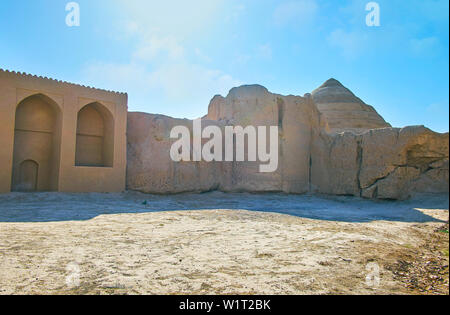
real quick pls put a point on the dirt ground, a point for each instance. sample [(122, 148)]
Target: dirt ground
[(224, 252)]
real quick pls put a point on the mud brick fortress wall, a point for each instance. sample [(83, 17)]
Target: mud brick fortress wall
[(57, 136)]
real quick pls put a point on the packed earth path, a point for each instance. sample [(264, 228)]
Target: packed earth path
[(217, 243)]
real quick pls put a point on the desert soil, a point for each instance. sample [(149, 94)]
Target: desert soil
[(222, 251)]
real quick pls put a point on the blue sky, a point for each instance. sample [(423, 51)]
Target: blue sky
[(172, 57)]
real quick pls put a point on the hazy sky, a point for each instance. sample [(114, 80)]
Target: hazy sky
[(172, 57)]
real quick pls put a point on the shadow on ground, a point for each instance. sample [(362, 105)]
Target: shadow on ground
[(50, 207)]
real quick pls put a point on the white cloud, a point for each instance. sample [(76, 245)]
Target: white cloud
[(131, 78), (402, 30), (202, 56), (424, 45), (265, 51), (177, 18), (435, 11), (149, 49), (296, 12), (350, 44), (184, 80), (162, 69), (242, 59), (438, 109), (178, 83), (236, 12)]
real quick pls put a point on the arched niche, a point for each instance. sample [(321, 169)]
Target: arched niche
[(28, 176), (95, 137), (37, 139)]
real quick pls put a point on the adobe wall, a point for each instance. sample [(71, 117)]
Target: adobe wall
[(387, 163), (84, 140), (151, 170), (383, 163), (52, 138)]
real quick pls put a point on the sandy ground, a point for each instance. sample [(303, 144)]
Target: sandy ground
[(210, 251)]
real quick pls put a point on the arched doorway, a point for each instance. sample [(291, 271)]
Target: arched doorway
[(95, 137), (36, 145), (28, 176)]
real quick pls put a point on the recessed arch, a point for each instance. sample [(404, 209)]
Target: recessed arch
[(37, 136), (95, 136), (44, 97)]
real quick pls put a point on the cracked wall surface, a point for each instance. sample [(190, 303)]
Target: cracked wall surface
[(355, 160), (151, 170), (389, 163), (329, 142)]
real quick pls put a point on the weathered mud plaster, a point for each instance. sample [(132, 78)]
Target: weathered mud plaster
[(388, 163), (57, 136), (65, 137), (356, 160)]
